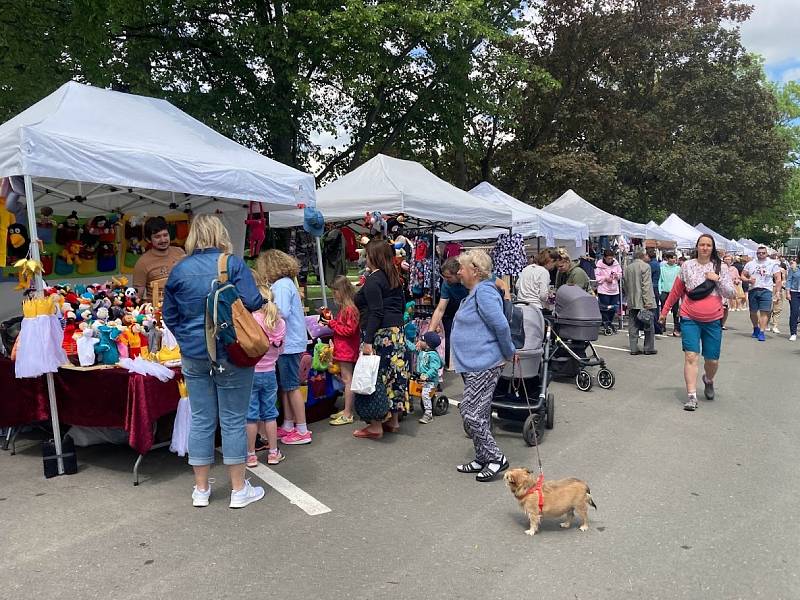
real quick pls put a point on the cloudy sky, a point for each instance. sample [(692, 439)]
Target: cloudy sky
[(773, 31)]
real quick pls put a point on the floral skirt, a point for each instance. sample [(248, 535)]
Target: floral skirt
[(391, 389)]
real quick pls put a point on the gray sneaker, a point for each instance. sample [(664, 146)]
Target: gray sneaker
[(691, 404), (426, 418), (708, 388)]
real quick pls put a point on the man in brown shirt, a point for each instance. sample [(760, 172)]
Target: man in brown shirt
[(157, 262)]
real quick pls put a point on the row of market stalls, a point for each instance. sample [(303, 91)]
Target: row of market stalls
[(85, 152)]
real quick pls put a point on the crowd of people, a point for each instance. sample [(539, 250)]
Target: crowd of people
[(245, 401)]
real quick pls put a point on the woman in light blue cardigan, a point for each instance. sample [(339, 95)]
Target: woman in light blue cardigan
[(481, 344)]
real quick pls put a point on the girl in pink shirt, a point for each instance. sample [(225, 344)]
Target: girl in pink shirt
[(262, 412), (346, 342), (701, 318)]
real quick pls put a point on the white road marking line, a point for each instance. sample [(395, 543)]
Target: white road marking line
[(283, 486), (611, 348)]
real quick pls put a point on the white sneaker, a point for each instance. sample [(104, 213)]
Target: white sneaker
[(200, 497), (775, 330), (792, 338), (247, 495)]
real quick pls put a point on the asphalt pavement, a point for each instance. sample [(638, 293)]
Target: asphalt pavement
[(690, 505)]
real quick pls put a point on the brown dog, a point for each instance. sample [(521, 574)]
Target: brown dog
[(561, 497)]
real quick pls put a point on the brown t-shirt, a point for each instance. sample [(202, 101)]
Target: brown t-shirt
[(153, 267)]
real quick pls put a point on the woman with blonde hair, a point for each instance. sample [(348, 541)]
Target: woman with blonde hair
[(278, 270), (481, 345), (218, 392), (262, 413)]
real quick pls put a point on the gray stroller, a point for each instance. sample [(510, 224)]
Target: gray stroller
[(521, 393), (576, 324)]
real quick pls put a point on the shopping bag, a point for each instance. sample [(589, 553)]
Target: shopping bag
[(365, 374)]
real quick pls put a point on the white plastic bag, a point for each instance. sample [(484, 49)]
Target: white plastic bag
[(365, 374)]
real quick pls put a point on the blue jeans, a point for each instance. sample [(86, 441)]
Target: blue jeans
[(263, 398), (794, 312), (608, 307), (217, 396)]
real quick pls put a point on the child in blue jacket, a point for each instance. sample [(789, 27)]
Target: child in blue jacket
[(428, 365)]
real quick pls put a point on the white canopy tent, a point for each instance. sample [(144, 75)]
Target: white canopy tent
[(391, 186), (530, 221), (599, 222), (654, 232), (96, 151), (721, 241), (684, 234)]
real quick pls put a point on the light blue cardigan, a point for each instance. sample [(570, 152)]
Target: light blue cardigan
[(480, 341)]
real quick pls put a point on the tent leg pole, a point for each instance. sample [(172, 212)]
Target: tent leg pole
[(321, 271), (51, 388)]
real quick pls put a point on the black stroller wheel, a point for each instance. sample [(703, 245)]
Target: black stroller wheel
[(533, 430), (583, 380), (550, 411), (440, 405), (605, 378)]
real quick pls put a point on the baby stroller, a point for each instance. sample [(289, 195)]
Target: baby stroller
[(521, 393), (575, 325)]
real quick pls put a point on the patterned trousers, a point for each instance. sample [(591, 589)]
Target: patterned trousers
[(476, 411)]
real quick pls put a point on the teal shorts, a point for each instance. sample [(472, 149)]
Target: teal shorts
[(702, 337)]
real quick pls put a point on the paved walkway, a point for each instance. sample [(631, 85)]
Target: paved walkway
[(691, 505)]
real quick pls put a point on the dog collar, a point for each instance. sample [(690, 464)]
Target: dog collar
[(537, 489)]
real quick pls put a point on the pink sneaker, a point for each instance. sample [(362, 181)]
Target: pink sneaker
[(275, 457), (252, 460), (295, 438), (282, 433)]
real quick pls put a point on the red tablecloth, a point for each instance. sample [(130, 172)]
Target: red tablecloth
[(101, 398)]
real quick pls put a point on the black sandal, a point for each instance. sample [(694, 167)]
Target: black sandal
[(473, 467), (488, 473)]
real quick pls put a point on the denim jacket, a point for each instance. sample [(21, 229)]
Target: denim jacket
[(188, 286), (793, 279)]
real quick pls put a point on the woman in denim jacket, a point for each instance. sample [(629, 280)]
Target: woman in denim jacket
[(215, 393), (481, 344)]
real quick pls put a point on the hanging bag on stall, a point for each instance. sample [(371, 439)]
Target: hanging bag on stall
[(228, 321)]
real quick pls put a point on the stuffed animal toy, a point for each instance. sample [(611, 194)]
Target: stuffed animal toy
[(136, 340), (106, 257), (71, 253), (131, 298), (68, 343), (322, 356), (102, 315), (106, 349), (28, 268), (69, 230), (87, 346), (256, 228), (135, 246), (17, 242), (378, 224)]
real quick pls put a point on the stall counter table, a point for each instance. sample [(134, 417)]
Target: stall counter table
[(110, 397)]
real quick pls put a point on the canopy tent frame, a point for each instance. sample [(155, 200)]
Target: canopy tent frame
[(78, 132)]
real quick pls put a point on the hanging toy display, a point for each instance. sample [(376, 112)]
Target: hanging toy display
[(256, 228), (38, 348), (28, 268)]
